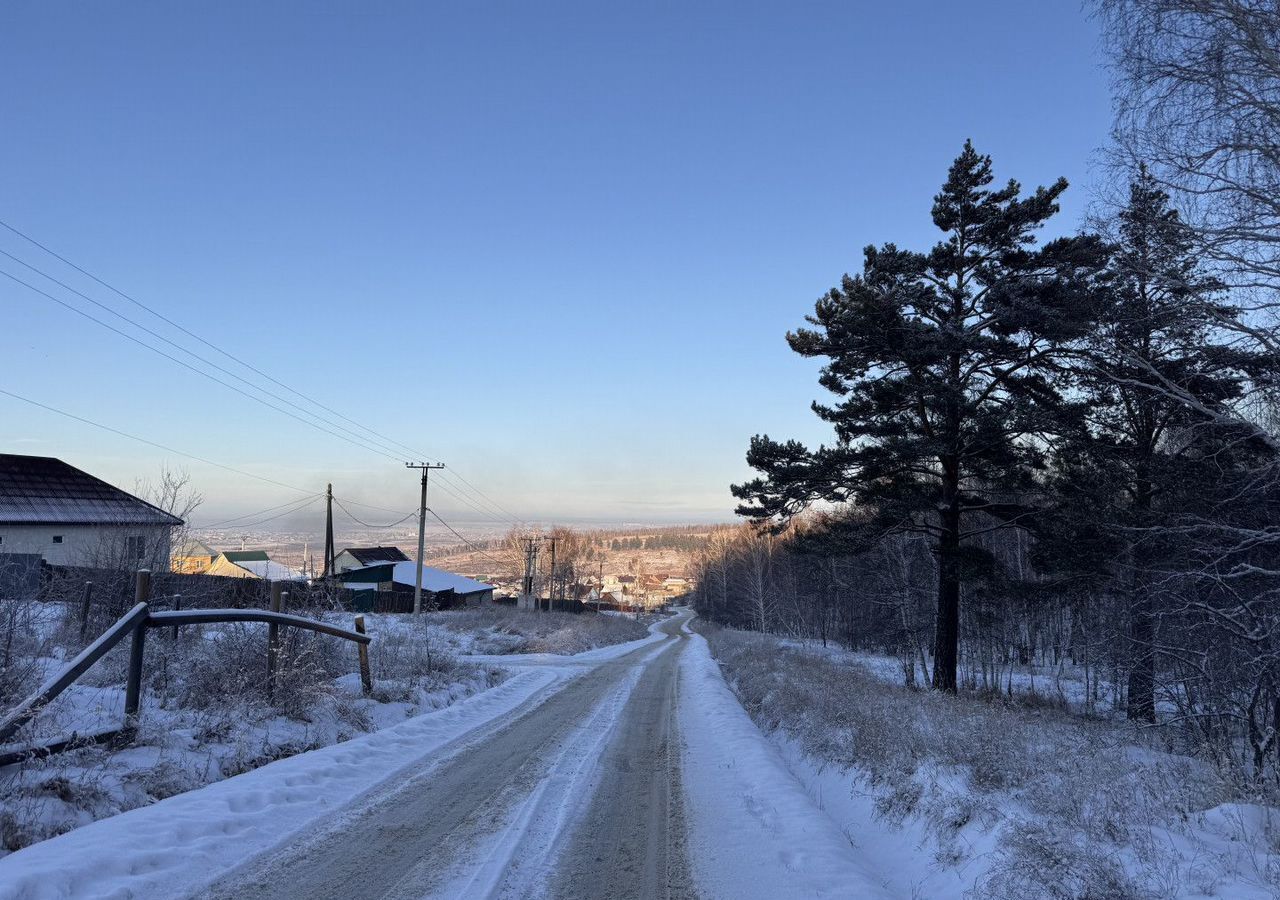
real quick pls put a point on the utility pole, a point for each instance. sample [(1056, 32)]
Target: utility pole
[(551, 578), (422, 529), (328, 532), (530, 562)]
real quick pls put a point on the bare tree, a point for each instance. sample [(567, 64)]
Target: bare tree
[(1197, 88)]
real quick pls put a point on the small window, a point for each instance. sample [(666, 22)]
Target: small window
[(57, 539), (135, 547)]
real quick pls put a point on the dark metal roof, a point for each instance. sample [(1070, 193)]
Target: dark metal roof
[(42, 490), (370, 555), (239, 556)]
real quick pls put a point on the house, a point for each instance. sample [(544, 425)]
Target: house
[(618, 582), (674, 584), (70, 518), (194, 557), (397, 579), (359, 557), (251, 564), (587, 593)]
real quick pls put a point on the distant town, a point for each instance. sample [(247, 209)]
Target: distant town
[(57, 519)]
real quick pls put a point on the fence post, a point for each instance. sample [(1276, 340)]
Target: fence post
[(273, 637), (366, 677), (133, 687), (84, 609)]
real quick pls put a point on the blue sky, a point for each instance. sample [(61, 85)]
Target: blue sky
[(556, 245)]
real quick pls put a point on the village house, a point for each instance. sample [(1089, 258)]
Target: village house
[(194, 557), (359, 557), (389, 587), (68, 517), (618, 583), (251, 564)]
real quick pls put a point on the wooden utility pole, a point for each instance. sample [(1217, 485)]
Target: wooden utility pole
[(328, 533), (529, 584), (551, 577), (422, 529)]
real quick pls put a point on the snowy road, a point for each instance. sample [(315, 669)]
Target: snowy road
[(572, 796), (624, 772)]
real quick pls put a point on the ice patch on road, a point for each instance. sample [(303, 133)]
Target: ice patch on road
[(753, 832)]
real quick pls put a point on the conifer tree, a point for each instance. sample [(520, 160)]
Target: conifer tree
[(1151, 457), (942, 364)]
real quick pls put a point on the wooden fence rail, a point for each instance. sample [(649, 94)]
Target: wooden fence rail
[(134, 624)]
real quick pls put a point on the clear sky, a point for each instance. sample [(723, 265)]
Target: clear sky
[(556, 245)]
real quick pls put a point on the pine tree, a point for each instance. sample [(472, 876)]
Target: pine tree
[(942, 363), (1153, 462)]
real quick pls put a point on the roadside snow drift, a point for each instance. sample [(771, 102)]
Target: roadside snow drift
[(753, 831)]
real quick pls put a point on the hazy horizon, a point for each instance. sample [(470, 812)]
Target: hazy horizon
[(558, 252)]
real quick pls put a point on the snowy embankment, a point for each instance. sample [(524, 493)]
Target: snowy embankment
[(963, 798), (175, 846), (753, 831)]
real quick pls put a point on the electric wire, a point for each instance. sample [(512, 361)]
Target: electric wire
[(387, 449), (142, 440), (186, 365), (368, 524), (298, 504), (475, 490), (464, 540), (287, 512)]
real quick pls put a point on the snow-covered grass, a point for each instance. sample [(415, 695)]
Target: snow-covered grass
[(502, 630), (206, 716), (1008, 801)]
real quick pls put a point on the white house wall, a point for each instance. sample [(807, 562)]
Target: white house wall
[(88, 545)]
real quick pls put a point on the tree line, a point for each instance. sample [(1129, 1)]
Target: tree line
[(1061, 452)]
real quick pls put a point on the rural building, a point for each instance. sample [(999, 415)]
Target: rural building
[(391, 585), (70, 518), (194, 557), (359, 557), (251, 564)]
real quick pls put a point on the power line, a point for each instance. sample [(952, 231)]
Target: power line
[(26, 237), (367, 524), (297, 504), (371, 506), (187, 365), (461, 538), (142, 440), (180, 348)]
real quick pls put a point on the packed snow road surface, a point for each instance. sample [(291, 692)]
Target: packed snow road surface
[(571, 796)]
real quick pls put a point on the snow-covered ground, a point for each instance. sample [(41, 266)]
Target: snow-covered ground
[(174, 846), (958, 798), (203, 720), (753, 831), (798, 776)]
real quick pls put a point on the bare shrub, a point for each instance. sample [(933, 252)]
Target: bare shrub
[(22, 644), (1048, 864)]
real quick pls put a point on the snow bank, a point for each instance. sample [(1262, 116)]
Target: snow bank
[(179, 844), (753, 831)]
